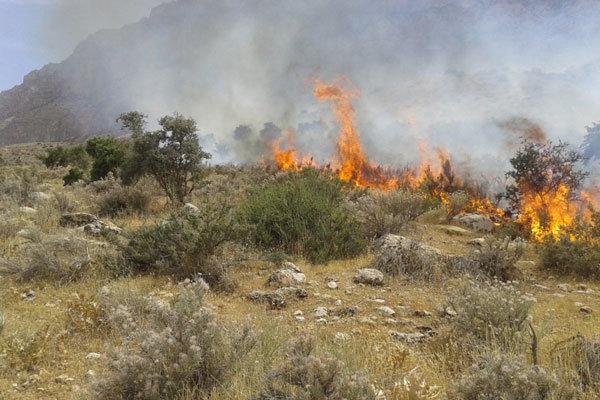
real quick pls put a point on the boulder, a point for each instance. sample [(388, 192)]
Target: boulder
[(77, 219), (478, 222), (369, 276), (99, 227), (289, 275)]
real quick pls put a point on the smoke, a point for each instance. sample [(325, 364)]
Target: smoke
[(521, 128), (442, 71)]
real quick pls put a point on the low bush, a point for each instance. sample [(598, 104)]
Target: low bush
[(302, 213), (56, 260), (2, 321), (578, 257), (497, 258), (306, 376), (387, 212), (72, 156), (25, 351), (579, 357), (124, 200), (18, 185), (178, 348), (494, 312), (184, 245), (73, 176), (497, 376)]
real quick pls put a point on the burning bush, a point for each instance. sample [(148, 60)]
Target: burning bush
[(302, 213), (546, 179)]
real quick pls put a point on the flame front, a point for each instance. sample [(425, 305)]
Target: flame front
[(351, 163)]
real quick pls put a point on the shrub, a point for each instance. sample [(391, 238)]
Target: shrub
[(2, 321), (24, 351), (497, 258), (172, 154), (457, 203), (497, 376), (179, 348), (387, 212), (565, 256), (124, 200), (73, 176), (580, 356), (305, 376), (56, 260), (73, 156), (494, 312), (185, 244), (18, 184), (108, 155), (302, 213)]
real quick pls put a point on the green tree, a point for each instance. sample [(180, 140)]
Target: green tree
[(108, 155), (171, 154), (72, 156)]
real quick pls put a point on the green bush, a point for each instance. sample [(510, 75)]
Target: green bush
[(73, 176), (108, 156), (303, 213), (184, 245), (73, 156), (576, 257), (171, 349), (124, 200)]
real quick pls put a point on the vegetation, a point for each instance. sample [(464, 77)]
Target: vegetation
[(124, 200), (302, 214), (72, 156), (497, 258), (172, 154), (108, 155), (591, 143)]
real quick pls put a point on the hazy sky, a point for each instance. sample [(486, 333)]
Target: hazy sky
[(35, 32)]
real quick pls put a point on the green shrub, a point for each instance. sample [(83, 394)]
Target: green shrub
[(496, 377), (576, 257), (494, 312), (124, 200), (73, 156), (73, 176), (302, 213), (108, 155), (387, 212), (305, 376), (177, 348), (184, 245)]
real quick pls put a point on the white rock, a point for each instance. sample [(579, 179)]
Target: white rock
[(386, 311), (369, 276), (93, 356), (320, 312), (332, 285), (341, 337)]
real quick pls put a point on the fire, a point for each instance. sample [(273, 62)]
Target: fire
[(548, 213), (351, 163)]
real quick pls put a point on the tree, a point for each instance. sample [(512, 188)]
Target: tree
[(542, 168), (171, 154), (108, 155), (591, 143), (72, 156)]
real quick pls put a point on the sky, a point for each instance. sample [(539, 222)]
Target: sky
[(36, 32)]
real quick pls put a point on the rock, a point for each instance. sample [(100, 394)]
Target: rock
[(386, 311), (291, 292), (300, 318), (63, 379), (279, 298), (40, 196), (399, 255), (476, 242), (190, 208), (475, 221), (320, 312), (369, 276), (350, 311), (27, 210), (564, 287), (582, 287), (454, 230), (585, 310), (409, 337), (332, 285), (290, 275), (422, 313), (99, 227), (541, 287), (378, 301), (77, 219), (449, 312), (338, 302), (298, 313), (341, 337), (28, 295), (93, 356), (321, 321)]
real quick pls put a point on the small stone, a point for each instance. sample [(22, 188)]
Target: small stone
[(290, 275), (422, 313), (77, 219), (321, 321), (578, 304), (585, 310), (378, 301), (300, 318), (541, 287), (450, 312), (63, 379), (341, 337), (476, 242), (564, 287), (386, 311), (338, 302), (369, 276), (28, 295), (93, 356), (320, 312), (190, 208), (332, 285), (298, 313), (409, 337), (27, 210)]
